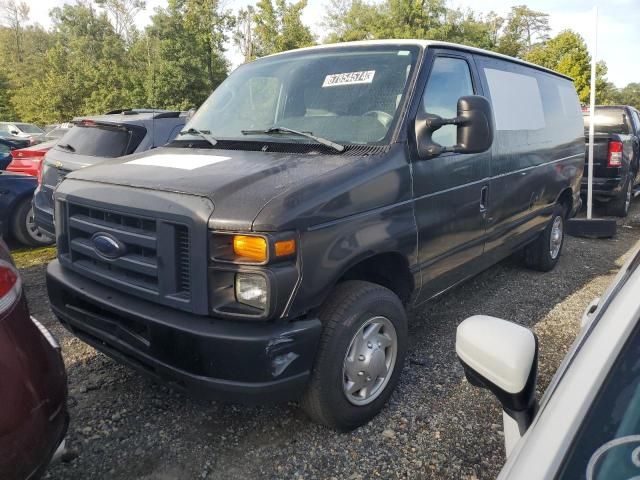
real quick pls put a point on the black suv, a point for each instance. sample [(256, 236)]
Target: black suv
[(269, 252)]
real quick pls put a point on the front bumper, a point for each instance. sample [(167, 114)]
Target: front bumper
[(248, 362), (43, 214)]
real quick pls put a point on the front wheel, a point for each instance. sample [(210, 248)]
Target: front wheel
[(543, 254), (24, 226), (361, 355)]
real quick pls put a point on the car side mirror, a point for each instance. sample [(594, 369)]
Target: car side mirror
[(14, 132), (502, 357), (474, 123)]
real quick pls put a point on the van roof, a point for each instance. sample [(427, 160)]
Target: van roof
[(424, 44)]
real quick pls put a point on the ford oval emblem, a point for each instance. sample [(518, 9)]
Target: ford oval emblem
[(108, 246)]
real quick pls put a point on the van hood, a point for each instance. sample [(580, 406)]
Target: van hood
[(239, 183)]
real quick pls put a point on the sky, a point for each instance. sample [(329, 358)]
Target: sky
[(618, 26)]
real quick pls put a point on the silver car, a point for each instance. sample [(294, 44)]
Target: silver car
[(587, 425)]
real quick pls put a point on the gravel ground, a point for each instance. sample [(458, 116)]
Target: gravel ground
[(123, 426)]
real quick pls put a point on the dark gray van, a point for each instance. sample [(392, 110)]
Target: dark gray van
[(269, 252)]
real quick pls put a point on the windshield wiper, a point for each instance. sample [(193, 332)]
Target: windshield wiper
[(206, 134), (283, 130), (66, 146)]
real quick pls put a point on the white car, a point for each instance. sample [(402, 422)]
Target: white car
[(21, 130), (587, 425)]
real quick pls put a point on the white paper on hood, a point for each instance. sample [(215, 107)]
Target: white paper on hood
[(183, 162)]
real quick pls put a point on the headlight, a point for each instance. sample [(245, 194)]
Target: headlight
[(251, 290)]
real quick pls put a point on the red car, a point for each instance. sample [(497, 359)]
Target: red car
[(29, 160), (33, 384)]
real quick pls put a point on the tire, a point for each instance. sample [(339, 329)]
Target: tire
[(356, 308), (619, 205), (23, 227), (543, 254)]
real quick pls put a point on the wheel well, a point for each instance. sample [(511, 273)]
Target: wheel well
[(391, 270), (566, 199)]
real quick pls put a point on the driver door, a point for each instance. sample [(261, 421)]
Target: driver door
[(451, 191)]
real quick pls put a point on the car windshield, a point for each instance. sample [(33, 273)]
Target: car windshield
[(608, 120), (346, 95), (28, 128), (607, 446)]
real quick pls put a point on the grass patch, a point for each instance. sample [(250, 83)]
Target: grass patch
[(30, 257)]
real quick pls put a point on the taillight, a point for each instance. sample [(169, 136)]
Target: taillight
[(40, 170), (614, 159), (10, 286)]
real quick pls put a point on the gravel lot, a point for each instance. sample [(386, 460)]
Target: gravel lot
[(436, 426)]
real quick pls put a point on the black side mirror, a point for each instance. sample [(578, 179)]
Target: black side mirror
[(474, 133)]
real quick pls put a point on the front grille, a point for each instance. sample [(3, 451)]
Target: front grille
[(155, 261), (183, 262)]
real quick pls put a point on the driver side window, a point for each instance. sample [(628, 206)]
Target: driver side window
[(449, 80)]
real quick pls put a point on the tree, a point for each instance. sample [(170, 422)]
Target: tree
[(14, 15), (122, 14), (523, 29), (278, 26), (567, 53), (629, 95), (244, 36), (7, 112), (187, 40)]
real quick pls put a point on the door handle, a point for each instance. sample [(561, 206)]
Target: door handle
[(483, 198)]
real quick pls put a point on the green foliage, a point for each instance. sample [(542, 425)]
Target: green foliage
[(186, 43), (95, 59), (271, 27), (523, 29), (567, 53)]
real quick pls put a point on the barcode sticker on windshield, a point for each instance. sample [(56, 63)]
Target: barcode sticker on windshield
[(350, 78)]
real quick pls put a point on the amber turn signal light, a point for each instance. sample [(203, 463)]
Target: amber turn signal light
[(285, 248), (251, 247)]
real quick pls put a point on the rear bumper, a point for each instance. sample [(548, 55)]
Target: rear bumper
[(248, 362), (43, 214), (603, 186)]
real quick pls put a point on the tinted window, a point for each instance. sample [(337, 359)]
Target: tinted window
[(608, 443), (608, 120), (4, 149), (449, 80), (636, 120), (102, 141), (28, 128)]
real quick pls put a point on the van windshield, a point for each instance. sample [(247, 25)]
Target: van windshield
[(346, 95)]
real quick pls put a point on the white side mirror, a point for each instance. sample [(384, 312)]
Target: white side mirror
[(502, 357)]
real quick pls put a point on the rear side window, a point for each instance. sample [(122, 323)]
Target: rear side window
[(517, 103), (449, 80), (608, 120), (4, 149), (102, 140)]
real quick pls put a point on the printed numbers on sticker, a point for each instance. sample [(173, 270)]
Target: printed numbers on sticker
[(350, 78)]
